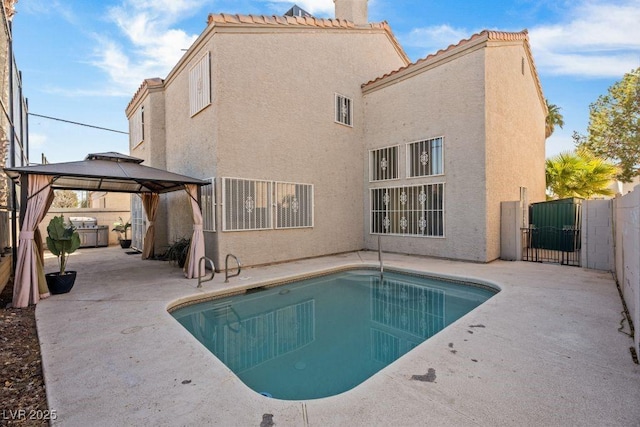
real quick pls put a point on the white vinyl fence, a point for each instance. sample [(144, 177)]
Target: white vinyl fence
[(627, 254)]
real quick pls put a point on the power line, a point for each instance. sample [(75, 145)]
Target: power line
[(77, 123)]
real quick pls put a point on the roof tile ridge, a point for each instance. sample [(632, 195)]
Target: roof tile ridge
[(290, 20), (150, 82), (270, 20), (259, 19), (507, 35), (319, 22), (246, 19), (227, 18), (430, 56), (280, 20)]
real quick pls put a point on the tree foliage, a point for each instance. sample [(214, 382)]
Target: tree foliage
[(614, 126), (579, 174), (65, 199), (553, 119)]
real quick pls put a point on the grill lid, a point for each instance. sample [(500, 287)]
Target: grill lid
[(83, 221)]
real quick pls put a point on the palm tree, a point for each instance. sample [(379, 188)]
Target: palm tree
[(579, 174), (553, 119)]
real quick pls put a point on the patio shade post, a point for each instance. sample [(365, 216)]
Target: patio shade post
[(196, 248), (29, 282), (150, 203)]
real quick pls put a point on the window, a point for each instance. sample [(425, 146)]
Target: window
[(247, 204), (137, 127), (208, 205), (344, 113), (424, 158), (199, 86), (413, 210), (294, 207), (383, 163)]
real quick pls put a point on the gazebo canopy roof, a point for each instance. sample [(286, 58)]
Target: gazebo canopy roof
[(110, 171)]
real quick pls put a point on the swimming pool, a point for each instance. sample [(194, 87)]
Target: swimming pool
[(325, 335)]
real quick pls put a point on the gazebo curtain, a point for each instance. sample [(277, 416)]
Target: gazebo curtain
[(196, 249), (150, 203), (29, 281)]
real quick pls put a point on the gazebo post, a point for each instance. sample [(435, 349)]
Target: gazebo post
[(24, 197)]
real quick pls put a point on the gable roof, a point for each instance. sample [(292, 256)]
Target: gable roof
[(146, 85), (483, 36), (223, 19)]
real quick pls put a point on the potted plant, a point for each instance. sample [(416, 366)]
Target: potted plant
[(62, 241), (178, 251), (122, 228)]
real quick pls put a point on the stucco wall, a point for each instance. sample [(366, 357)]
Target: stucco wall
[(114, 201), (104, 217), (627, 225), (153, 149), (444, 100), (515, 148), (272, 118)]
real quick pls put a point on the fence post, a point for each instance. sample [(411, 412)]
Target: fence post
[(510, 234)]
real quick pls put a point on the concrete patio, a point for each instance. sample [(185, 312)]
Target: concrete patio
[(547, 352)]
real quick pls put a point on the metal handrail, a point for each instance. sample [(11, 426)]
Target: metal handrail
[(213, 270), (380, 257), (226, 267)]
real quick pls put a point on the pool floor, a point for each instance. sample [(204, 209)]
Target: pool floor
[(323, 336)]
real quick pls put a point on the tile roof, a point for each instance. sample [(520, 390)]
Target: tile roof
[(225, 18), (483, 35), (302, 21), (146, 83)]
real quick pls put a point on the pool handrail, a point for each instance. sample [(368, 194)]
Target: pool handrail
[(213, 270), (226, 267)]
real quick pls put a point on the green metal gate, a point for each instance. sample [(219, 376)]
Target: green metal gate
[(553, 234)]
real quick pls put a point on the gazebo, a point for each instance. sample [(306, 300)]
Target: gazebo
[(113, 172)]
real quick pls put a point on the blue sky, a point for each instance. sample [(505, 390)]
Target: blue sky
[(82, 60)]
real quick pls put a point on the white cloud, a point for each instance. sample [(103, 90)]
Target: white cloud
[(431, 39), (595, 39), (152, 46), (598, 39)]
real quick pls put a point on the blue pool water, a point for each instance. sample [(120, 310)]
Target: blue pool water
[(323, 336)]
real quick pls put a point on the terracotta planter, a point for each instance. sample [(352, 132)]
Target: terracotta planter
[(60, 284)]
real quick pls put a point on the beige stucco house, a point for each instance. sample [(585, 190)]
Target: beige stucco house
[(318, 135)]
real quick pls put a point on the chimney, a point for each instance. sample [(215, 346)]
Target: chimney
[(352, 10)]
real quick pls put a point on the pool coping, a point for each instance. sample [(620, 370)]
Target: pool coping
[(214, 295), (537, 352)]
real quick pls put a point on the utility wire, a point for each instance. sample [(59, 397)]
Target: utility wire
[(77, 123)]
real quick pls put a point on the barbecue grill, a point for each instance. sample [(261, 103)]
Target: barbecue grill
[(91, 234)]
